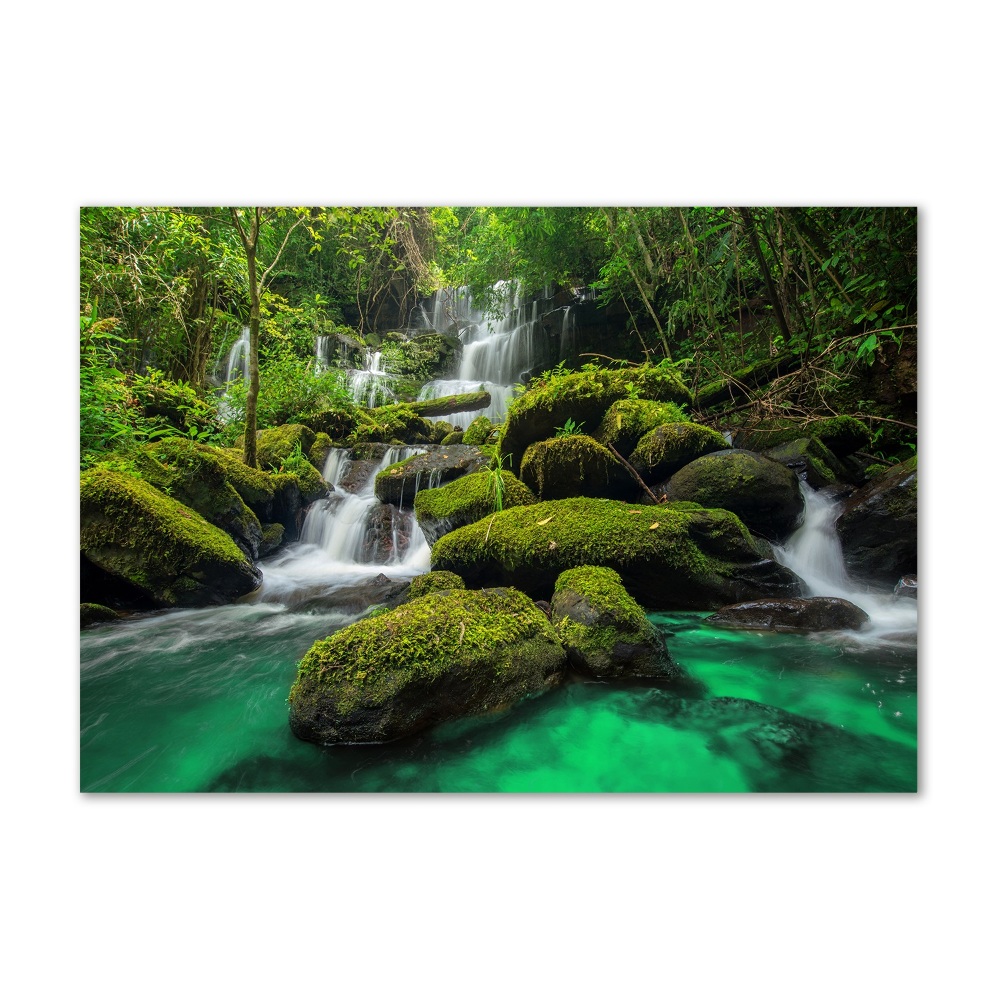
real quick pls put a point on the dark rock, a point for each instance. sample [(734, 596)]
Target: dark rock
[(878, 527), (93, 614), (803, 614), (906, 587), (762, 493), (438, 464), (813, 459)]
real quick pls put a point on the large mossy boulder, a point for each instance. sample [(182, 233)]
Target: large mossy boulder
[(574, 466), (669, 447), (162, 549), (401, 482), (584, 397), (276, 444), (439, 657), (466, 500), (604, 631), (668, 558), (878, 526), (479, 431), (762, 493), (435, 581), (797, 614), (627, 420), (394, 423)]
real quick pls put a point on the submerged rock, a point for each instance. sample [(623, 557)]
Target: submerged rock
[(162, 549), (604, 631), (801, 614), (878, 526), (667, 558), (762, 493), (436, 658)]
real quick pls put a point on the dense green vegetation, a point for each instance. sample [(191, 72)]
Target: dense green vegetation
[(794, 314)]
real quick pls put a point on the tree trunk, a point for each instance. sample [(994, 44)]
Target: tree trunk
[(250, 430), (772, 294)]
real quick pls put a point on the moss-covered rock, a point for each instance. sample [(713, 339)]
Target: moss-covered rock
[(438, 464), (455, 437), (276, 444), (94, 614), (274, 535), (479, 431), (878, 526), (668, 559), (669, 447), (436, 658), (627, 420), (466, 500), (396, 422), (321, 447), (811, 457), (841, 435), (574, 466), (762, 493), (339, 423), (458, 403), (603, 630), (432, 582), (272, 496), (163, 549), (584, 397)]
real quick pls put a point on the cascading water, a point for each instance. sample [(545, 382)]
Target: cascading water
[(372, 386), (814, 554), (239, 357), (349, 535), (497, 353)]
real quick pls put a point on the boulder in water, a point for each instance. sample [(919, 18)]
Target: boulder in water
[(167, 552), (603, 630), (812, 458), (802, 614), (668, 558), (878, 526), (440, 657)]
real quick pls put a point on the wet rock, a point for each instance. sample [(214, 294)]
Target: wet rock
[(387, 533), (803, 614), (878, 527), (438, 464), (907, 587)]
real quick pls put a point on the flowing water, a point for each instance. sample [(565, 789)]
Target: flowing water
[(196, 701)]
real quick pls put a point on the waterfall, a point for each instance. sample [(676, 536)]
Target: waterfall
[(239, 357), (322, 352), (498, 352), (814, 554), (371, 387), (348, 536)]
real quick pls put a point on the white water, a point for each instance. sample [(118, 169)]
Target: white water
[(372, 386), (239, 357), (813, 553), (336, 539), (497, 353)]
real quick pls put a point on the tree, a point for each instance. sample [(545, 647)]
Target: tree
[(249, 224)]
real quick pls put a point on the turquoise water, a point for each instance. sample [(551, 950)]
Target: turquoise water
[(195, 701)]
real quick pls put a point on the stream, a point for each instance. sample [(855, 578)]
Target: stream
[(195, 700)]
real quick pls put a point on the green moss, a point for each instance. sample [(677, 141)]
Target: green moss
[(459, 403), (93, 614), (668, 447), (132, 530), (443, 634), (604, 591), (574, 465), (455, 437), (395, 422), (427, 583), (583, 396), (470, 498), (627, 420), (276, 444), (479, 431), (320, 449)]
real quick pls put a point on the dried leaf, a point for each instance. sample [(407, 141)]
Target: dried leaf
[(655, 524), (546, 520), (634, 512), (552, 544)]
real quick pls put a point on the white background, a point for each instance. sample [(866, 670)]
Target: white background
[(478, 896)]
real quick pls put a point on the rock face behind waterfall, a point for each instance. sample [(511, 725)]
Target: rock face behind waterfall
[(803, 614), (167, 552), (439, 464), (668, 558), (436, 658), (878, 526)]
